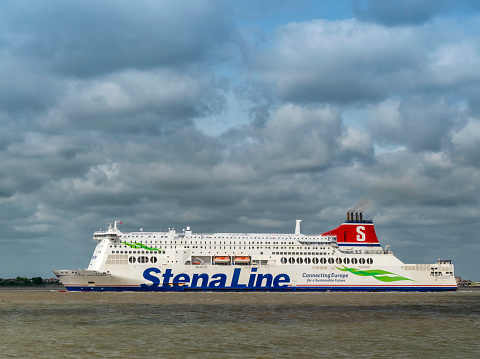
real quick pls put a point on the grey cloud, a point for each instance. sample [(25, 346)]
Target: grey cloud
[(25, 87), (398, 12), (347, 62), (422, 123), (465, 143), (294, 140), (84, 39), (342, 62), (136, 101)]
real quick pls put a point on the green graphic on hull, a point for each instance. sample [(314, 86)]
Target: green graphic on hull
[(136, 245), (378, 274)]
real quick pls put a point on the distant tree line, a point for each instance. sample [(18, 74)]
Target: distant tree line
[(22, 281)]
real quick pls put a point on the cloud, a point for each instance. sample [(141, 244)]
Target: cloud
[(465, 141), (398, 12), (419, 123), (78, 39), (341, 61), (348, 61)]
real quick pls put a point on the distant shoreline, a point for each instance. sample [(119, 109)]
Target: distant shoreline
[(33, 287)]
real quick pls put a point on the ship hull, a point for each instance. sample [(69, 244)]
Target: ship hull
[(247, 278)]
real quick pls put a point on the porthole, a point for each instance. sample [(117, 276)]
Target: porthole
[(323, 260), (331, 260), (354, 261), (315, 260), (291, 260), (346, 261), (369, 260), (132, 259), (283, 260), (339, 260), (361, 260), (307, 260), (299, 260), (142, 259), (153, 259)]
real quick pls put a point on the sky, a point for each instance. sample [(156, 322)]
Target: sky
[(238, 116)]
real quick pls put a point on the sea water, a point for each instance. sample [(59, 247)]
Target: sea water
[(49, 323)]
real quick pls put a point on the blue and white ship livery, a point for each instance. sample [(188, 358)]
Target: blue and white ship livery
[(348, 258)]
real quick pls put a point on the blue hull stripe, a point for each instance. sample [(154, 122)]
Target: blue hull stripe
[(280, 289)]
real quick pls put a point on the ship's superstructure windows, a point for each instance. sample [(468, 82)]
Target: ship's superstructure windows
[(142, 259)]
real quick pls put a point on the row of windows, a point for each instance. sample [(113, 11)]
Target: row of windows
[(300, 253), (284, 260), (238, 247), (207, 242), (205, 238), (139, 252), (143, 259), (323, 260)]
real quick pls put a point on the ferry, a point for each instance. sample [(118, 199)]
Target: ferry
[(347, 258)]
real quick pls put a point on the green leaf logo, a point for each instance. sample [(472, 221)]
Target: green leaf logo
[(378, 274), (136, 245)]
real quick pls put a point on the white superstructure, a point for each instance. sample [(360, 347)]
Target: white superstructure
[(347, 258)]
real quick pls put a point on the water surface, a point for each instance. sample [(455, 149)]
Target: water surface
[(42, 324)]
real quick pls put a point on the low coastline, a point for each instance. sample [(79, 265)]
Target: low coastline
[(44, 287)]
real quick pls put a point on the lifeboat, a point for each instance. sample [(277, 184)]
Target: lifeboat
[(242, 260), (221, 260)]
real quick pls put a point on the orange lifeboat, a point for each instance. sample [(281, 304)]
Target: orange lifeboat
[(221, 260), (242, 260)]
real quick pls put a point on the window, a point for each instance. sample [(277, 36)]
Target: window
[(142, 259), (283, 260), (369, 260)]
